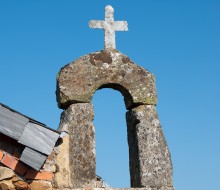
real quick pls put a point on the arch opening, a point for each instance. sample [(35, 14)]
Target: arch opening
[(124, 92), (112, 152)]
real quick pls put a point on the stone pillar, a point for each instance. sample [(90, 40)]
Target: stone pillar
[(77, 121), (150, 161)]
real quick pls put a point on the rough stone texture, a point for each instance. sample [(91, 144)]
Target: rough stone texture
[(21, 185), (3, 186), (49, 166), (150, 162), (6, 173), (62, 178), (77, 121), (6, 185), (78, 81), (109, 26), (41, 185), (100, 183), (146, 188)]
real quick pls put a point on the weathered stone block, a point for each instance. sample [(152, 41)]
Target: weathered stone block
[(145, 188), (5, 173), (62, 177), (41, 185), (6, 185), (77, 121), (150, 161), (77, 81), (21, 185)]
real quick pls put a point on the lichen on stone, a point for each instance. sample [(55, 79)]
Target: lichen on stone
[(78, 81)]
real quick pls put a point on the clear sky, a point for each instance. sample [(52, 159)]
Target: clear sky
[(178, 41)]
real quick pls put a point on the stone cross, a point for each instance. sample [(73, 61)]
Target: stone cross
[(109, 26)]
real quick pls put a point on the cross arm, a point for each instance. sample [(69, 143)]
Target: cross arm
[(121, 26), (96, 24)]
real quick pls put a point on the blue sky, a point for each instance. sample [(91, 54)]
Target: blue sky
[(178, 41)]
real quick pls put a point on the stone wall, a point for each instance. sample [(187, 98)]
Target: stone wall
[(16, 175), (150, 161)]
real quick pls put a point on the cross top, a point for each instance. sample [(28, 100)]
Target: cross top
[(109, 26)]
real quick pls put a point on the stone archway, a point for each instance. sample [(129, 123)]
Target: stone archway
[(150, 162), (78, 81), (112, 153)]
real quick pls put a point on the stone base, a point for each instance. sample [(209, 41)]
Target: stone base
[(144, 188)]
